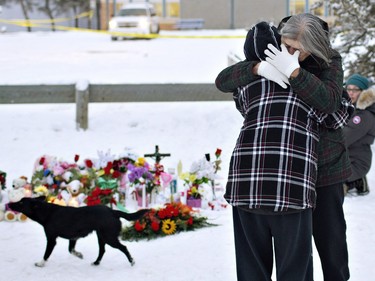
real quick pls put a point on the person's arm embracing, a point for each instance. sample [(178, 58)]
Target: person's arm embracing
[(237, 75), (245, 72), (320, 88)]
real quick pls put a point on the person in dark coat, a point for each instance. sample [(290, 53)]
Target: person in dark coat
[(360, 133), (318, 80), (272, 174)]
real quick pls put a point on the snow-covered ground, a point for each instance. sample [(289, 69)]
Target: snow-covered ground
[(186, 130)]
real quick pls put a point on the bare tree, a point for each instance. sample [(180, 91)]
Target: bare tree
[(26, 6), (50, 8), (77, 6), (354, 30)]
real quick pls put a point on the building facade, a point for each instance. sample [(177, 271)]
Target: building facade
[(217, 14), (228, 14)]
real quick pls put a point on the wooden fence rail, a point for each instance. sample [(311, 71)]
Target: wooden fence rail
[(84, 93)]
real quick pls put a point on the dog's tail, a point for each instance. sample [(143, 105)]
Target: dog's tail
[(131, 216)]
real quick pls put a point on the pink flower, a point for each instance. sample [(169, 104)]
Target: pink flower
[(58, 170)]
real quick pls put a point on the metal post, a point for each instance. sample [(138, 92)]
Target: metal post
[(164, 8), (98, 18), (307, 6), (326, 8), (107, 13), (231, 14)]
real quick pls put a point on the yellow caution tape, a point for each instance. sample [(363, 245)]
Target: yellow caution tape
[(46, 23), (24, 22)]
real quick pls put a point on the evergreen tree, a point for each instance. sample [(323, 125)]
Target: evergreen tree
[(354, 30)]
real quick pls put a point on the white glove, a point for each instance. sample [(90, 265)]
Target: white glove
[(282, 60), (270, 72)]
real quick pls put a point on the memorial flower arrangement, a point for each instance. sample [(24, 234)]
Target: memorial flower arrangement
[(107, 181), (112, 180), (141, 173), (201, 172), (53, 174), (101, 178), (171, 219)]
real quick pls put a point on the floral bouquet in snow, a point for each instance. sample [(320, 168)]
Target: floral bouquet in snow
[(108, 178), (171, 219), (145, 179), (101, 179), (201, 173), (51, 174), (140, 174)]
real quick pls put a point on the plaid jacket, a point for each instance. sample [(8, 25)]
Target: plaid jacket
[(320, 87), (274, 163)]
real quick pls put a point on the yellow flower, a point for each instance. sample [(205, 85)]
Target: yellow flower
[(184, 176), (188, 177), (41, 190), (192, 177), (140, 162), (100, 173), (194, 190), (168, 226)]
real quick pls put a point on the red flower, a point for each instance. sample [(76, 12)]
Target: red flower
[(76, 158), (106, 191), (42, 160), (139, 227), (107, 170), (190, 221), (92, 201), (174, 211), (96, 192), (218, 152), (116, 174), (162, 213), (155, 226), (113, 201), (88, 163)]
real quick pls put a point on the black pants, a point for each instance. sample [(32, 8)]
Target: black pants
[(329, 230), (292, 238)]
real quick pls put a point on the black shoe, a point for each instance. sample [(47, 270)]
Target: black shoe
[(349, 188), (362, 186)]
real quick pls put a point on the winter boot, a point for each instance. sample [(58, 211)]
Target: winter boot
[(349, 187), (362, 186)]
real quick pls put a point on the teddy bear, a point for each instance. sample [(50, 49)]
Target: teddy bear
[(72, 194), (16, 193)]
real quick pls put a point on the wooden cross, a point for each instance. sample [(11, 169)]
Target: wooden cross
[(158, 156)]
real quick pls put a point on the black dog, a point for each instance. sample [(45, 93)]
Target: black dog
[(73, 223)]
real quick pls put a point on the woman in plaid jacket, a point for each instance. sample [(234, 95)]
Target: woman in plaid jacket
[(317, 79), (272, 171)]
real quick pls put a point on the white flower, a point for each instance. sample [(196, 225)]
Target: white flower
[(203, 169), (104, 158)]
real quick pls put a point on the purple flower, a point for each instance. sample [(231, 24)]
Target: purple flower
[(131, 167), (131, 177)]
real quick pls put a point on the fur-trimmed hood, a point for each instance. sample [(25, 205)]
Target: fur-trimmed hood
[(367, 99)]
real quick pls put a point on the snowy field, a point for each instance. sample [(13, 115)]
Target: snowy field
[(186, 130)]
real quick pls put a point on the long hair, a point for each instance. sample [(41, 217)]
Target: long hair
[(311, 32)]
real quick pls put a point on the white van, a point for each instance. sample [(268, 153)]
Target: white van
[(134, 18)]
